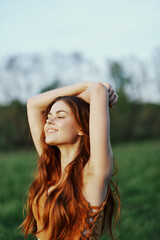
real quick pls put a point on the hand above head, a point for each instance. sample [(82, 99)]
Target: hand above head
[(113, 96), (38, 104)]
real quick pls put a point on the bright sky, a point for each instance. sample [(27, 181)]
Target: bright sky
[(98, 28)]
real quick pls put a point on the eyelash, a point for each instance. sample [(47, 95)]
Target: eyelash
[(55, 118), (60, 117)]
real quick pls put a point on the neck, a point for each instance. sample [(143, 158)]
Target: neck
[(68, 153)]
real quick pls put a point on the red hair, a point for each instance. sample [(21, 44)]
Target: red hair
[(66, 203)]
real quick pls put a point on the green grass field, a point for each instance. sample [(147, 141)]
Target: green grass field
[(139, 184)]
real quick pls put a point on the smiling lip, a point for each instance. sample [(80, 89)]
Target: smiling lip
[(51, 130)]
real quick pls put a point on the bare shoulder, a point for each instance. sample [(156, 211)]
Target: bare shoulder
[(94, 186)]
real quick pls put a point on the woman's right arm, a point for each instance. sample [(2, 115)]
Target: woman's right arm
[(37, 104)]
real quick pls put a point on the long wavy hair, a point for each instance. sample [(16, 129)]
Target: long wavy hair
[(66, 204)]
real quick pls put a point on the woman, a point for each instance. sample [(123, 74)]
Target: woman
[(71, 197)]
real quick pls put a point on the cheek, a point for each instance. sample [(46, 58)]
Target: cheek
[(70, 128)]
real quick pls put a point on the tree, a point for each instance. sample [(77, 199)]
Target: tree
[(119, 76)]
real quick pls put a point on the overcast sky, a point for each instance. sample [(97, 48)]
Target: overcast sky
[(98, 28)]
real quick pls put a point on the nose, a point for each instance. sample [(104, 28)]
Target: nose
[(50, 121)]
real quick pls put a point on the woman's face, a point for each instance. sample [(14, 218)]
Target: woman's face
[(61, 126)]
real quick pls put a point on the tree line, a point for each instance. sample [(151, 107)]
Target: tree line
[(132, 119)]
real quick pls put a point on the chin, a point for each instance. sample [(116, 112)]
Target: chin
[(49, 142)]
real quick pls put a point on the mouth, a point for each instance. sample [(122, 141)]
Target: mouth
[(52, 131)]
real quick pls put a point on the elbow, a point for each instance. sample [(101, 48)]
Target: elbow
[(99, 89), (29, 103)]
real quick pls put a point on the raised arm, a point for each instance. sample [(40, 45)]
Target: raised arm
[(101, 159), (37, 104)]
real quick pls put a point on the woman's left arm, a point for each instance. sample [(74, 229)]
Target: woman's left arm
[(100, 96)]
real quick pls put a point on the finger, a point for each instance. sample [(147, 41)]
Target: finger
[(114, 101), (108, 86), (111, 92), (113, 97)]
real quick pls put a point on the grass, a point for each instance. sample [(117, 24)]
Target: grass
[(139, 184)]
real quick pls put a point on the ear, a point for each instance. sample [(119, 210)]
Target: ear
[(80, 133)]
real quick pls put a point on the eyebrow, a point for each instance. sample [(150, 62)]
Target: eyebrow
[(59, 111)]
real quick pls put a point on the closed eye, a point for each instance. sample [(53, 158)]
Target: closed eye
[(60, 117)]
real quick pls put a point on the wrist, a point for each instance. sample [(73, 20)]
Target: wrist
[(90, 83)]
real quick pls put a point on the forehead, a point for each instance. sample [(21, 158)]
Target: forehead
[(60, 105)]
